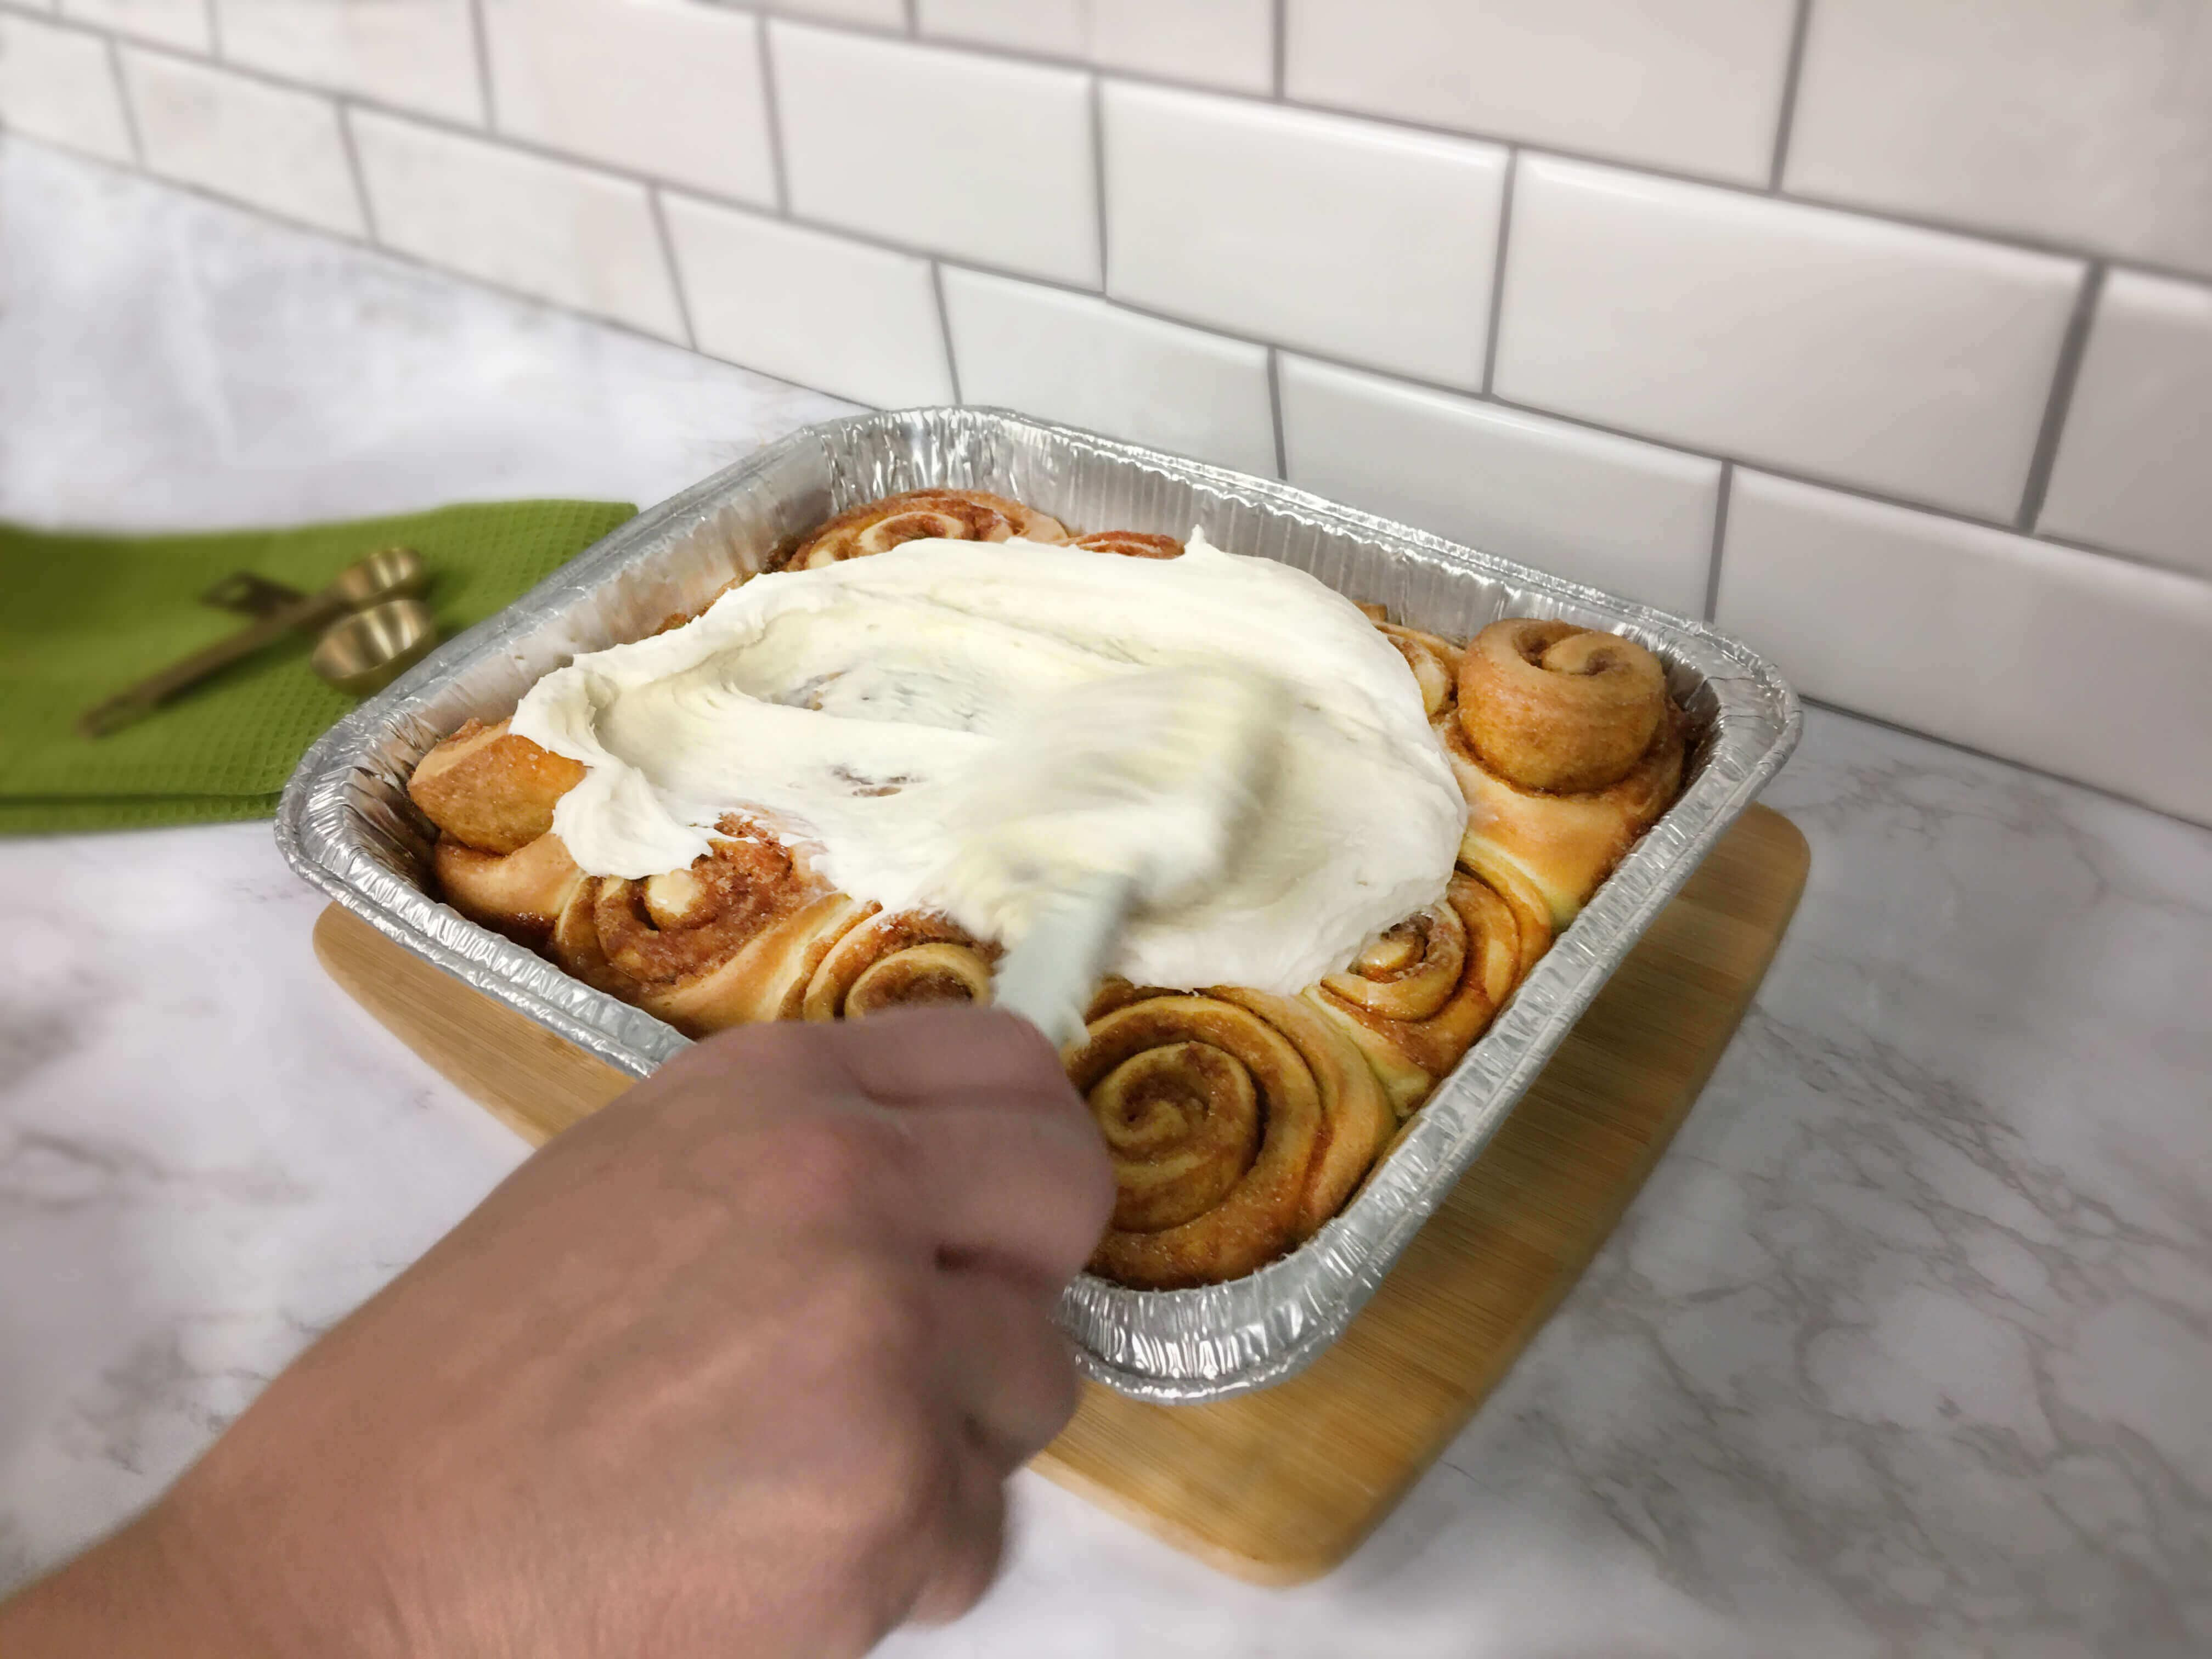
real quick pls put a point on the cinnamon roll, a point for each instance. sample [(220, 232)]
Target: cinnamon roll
[(1238, 1123), (734, 938), (959, 515), (1568, 748), (895, 961), (520, 894), (1130, 543), (1416, 1000), (490, 789), (1435, 661)]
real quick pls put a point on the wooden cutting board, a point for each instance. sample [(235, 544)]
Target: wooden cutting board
[(1279, 1486)]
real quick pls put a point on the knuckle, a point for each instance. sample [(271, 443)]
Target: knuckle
[(835, 1166)]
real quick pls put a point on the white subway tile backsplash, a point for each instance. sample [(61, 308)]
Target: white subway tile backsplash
[(561, 233), (1692, 85), (1628, 517), (172, 23), (58, 84), (2084, 665), (1224, 43), (2088, 122), (661, 87), (975, 156), (1221, 43), (1341, 236), (1060, 28), (1075, 358), (275, 149), (882, 14), (822, 310), (1913, 362), (418, 54), (2135, 463)]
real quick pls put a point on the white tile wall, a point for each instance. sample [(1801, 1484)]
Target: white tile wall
[(822, 310), (1693, 85), (275, 150), (2135, 465), (561, 233), (2078, 663), (172, 23), (418, 54), (58, 85), (663, 86), (1345, 237), (1061, 27), (1075, 358), (1629, 517), (2086, 121), (978, 157), (880, 13), (1461, 232), (1911, 362), (1224, 43)]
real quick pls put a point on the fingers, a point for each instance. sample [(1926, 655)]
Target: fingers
[(1027, 1194), (925, 1057), (1007, 1368), (971, 1545)]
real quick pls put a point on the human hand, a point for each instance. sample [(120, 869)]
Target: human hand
[(739, 1365)]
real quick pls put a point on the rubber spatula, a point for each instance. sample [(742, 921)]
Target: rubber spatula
[(1108, 800)]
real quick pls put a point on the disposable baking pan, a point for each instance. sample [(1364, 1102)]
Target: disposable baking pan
[(347, 825)]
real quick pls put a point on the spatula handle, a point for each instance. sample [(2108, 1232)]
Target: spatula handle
[(1048, 977)]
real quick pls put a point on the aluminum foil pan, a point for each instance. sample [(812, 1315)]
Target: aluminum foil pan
[(347, 825)]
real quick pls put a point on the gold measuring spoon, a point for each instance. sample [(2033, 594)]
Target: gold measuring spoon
[(368, 650), (395, 573)]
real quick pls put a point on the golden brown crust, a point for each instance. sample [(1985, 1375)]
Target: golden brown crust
[(1548, 705), (1130, 543), (1435, 661), (1560, 847), (960, 515), (1239, 1123), (490, 789), (1415, 1000), (899, 961), (520, 894)]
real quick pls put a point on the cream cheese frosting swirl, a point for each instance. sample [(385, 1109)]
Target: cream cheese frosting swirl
[(864, 710)]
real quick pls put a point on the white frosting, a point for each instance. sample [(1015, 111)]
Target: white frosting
[(886, 713)]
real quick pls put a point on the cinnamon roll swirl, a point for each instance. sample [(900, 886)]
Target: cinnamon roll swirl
[(959, 515), (1130, 543), (897, 961), (1238, 1123), (1568, 749), (520, 894), (734, 938), (1416, 1000)]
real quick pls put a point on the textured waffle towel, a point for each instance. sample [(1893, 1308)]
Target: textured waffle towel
[(82, 616)]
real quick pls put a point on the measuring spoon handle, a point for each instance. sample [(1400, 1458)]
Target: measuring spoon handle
[(150, 693)]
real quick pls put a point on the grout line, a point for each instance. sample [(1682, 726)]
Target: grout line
[(944, 328), (1497, 270), (214, 28), (772, 102), (1097, 97), (359, 176), (129, 109), (2064, 372), (667, 242), (1279, 48), (914, 17), (1792, 73), (1720, 539), (480, 35), (1995, 237), (1275, 409)]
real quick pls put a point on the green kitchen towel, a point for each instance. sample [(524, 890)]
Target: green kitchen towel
[(82, 616)]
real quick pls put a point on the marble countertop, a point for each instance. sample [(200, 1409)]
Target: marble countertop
[(1905, 1348)]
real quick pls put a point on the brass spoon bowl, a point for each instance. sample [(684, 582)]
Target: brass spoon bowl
[(369, 650)]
